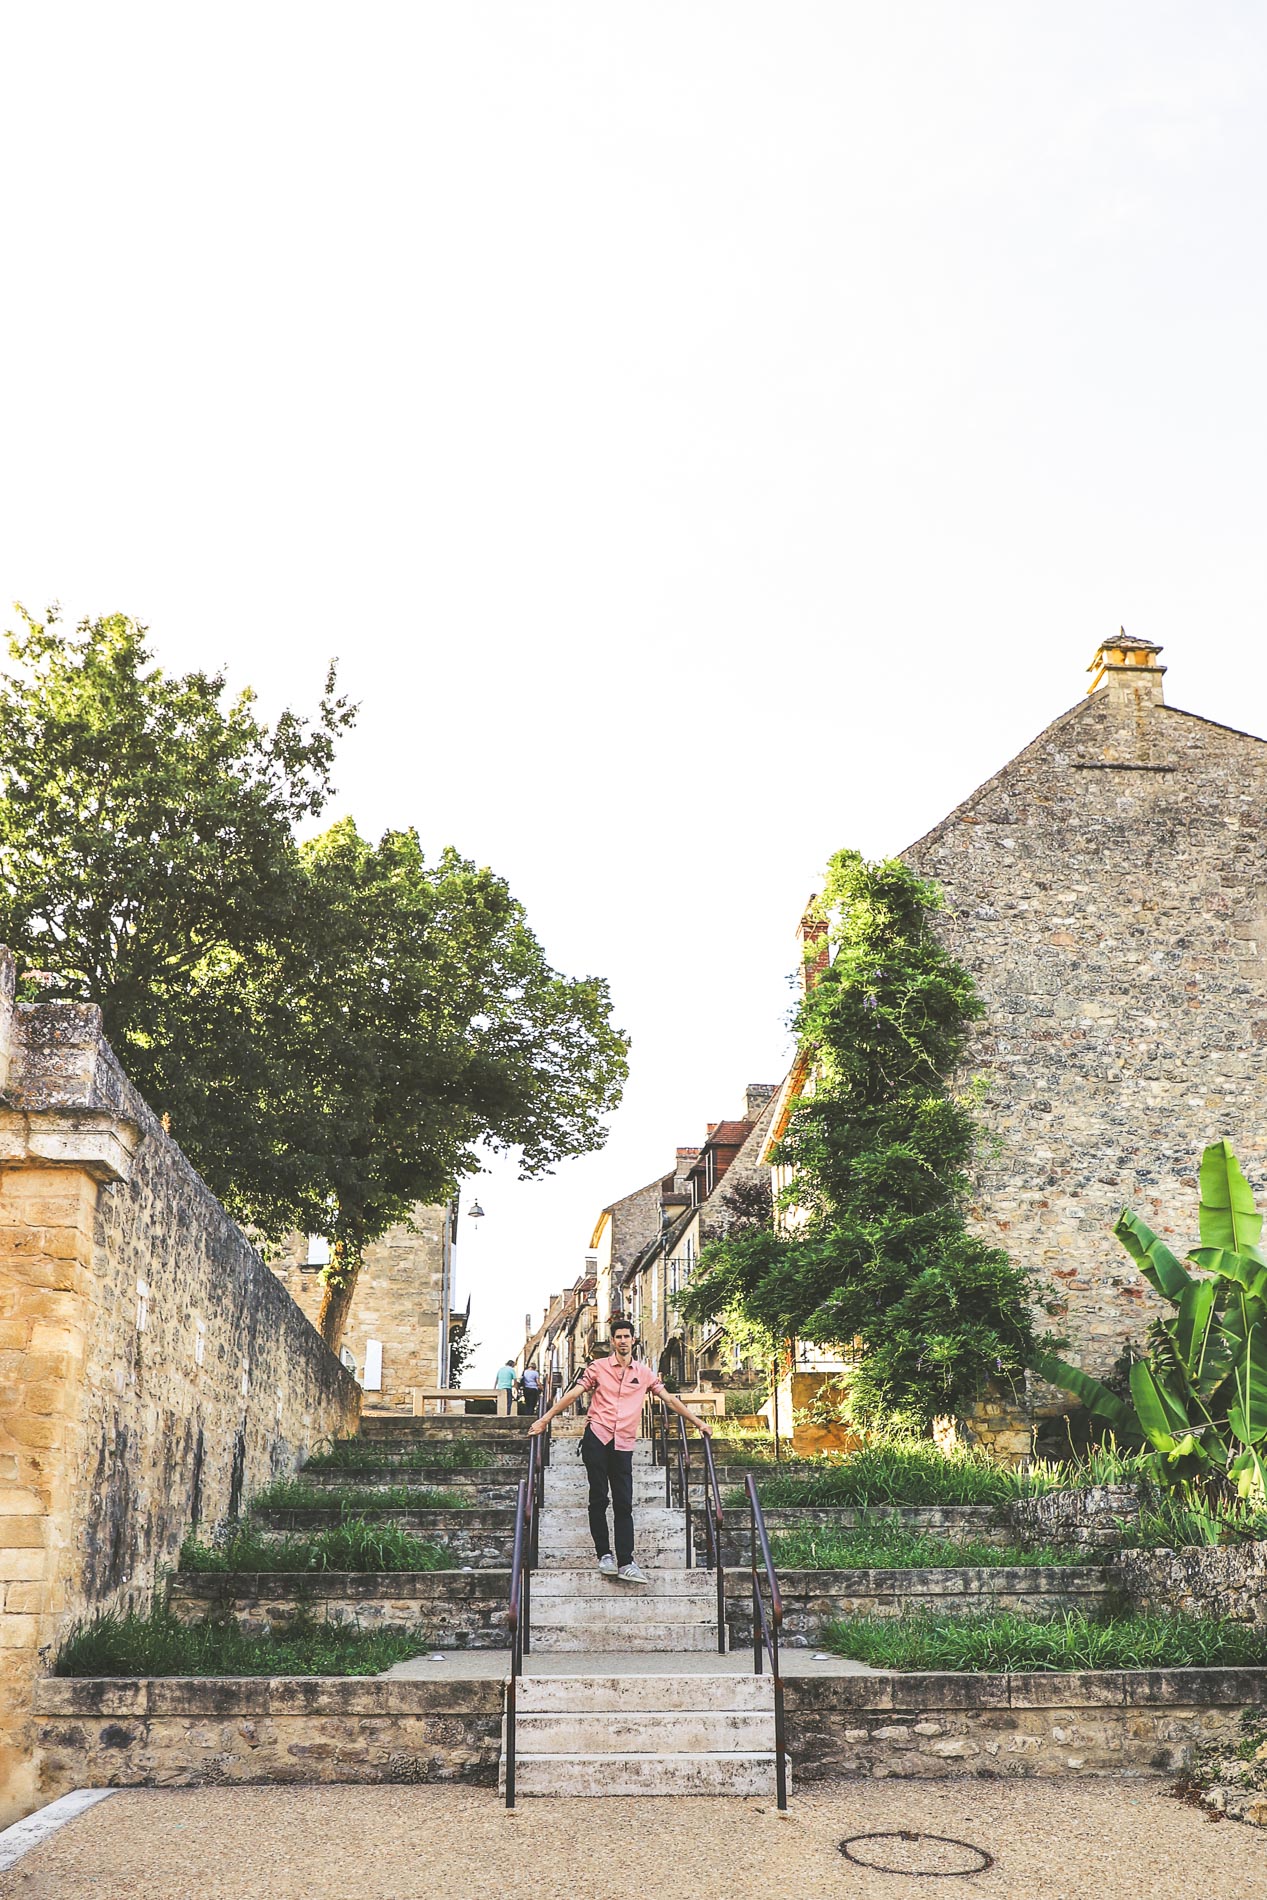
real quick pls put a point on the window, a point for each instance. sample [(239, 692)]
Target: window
[(318, 1254), (373, 1380), (142, 1306)]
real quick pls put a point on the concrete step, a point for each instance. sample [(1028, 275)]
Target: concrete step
[(601, 1695), (655, 1732), (642, 1774)]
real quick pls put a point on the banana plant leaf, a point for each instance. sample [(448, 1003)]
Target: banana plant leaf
[(1164, 1272), (1247, 1414), (1096, 1397), (1241, 1268), (1205, 1351), (1228, 1217), (1161, 1412), (1249, 1475)]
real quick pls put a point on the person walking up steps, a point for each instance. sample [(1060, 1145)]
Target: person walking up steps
[(617, 1387)]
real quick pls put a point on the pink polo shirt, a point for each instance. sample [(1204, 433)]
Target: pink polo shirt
[(616, 1398)]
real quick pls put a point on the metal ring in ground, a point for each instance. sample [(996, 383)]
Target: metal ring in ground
[(908, 1834)]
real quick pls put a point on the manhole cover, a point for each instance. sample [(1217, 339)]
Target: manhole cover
[(902, 1852)]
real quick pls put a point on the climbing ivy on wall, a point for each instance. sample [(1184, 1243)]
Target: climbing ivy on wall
[(876, 1246)]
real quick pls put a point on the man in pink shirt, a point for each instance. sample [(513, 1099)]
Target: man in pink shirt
[(618, 1387)]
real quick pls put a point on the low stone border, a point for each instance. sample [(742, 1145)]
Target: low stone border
[(484, 1538), (172, 1732), (813, 1598), (1134, 1722), (458, 1609), (185, 1731)]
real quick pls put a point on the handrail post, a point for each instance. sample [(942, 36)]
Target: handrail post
[(517, 1577), (757, 1608), (684, 1482)]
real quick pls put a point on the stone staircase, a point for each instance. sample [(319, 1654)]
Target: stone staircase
[(599, 1731)]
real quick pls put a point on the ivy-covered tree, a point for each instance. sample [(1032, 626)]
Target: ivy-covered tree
[(334, 1028), (875, 1248)]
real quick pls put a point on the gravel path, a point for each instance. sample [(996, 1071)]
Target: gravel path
[(1051, 1842)]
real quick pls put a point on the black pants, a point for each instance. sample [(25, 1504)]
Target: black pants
[(607, 1469)]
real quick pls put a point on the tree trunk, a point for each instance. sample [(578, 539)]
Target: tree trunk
[(339, 1284)]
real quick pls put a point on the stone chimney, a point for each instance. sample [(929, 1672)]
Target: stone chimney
[(755, 1097), (811, 935), (684, 1162), (1128, 671)]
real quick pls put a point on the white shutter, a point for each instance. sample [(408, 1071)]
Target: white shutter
[(373, 1380)]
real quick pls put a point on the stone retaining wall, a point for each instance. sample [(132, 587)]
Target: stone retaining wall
[(169, 1732), (1092, 1519), (174, 1732), (1229, 1583), (813, 1598), (979, 1523), (1109, 1722), (483, 1538), (457, 1609)]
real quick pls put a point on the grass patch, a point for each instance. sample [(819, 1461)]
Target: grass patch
[(894, 1469), (292, 1494), (160, 1645), (352, 1545), (883, 1544), (359, 1454), (1004, 1641), (1169, 1521)]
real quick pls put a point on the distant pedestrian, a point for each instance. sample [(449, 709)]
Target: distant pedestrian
[(618, 1388), (530, 1387), (505, 1383)]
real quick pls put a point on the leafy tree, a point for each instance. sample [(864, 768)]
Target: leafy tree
[(875, 1247), (334, 1028)]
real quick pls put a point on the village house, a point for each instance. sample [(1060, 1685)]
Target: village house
[(401, 1319), (1108, 891)]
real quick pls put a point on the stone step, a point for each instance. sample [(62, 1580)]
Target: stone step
[(600, 1695), (573, 1585), (642, 1774), (636, 1637), (656, 1732)]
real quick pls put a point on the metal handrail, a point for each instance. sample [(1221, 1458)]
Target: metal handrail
[(684, 1484), (529, 1503), (765, 1631), (713, 1533)]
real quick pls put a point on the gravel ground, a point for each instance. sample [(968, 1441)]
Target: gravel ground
[(1051, 1842)]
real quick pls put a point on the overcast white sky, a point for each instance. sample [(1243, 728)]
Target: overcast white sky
[(708, 435)]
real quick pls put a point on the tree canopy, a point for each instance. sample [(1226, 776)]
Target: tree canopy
[(334, 1027), (875, 1248)]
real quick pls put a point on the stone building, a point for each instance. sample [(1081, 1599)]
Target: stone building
[(401, 1317), (694, 1207), (1108, 890)]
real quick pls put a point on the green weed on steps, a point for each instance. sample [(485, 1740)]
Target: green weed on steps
[(928, 1640), (160, 1645), (353, 1545), (292, 1494), (884, 1545), (895, 1469), (359, 1454)]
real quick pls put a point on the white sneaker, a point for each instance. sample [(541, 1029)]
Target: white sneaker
[(607, 1565), (630, 1573)]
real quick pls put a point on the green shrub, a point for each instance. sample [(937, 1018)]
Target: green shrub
[(1004, 1641), (893, 1470), (160, 1645), (353, 1545)]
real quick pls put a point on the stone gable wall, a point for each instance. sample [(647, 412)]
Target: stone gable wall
[(1108, 891), (401, 1299), (113, 1438)]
